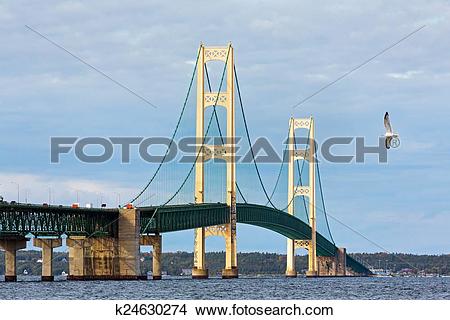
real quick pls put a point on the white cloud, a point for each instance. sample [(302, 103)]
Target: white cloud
[(404, 75), (317, 77), (35, 188)]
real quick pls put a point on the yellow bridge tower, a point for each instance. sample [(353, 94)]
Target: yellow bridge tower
[(226, 152), (305, 191)]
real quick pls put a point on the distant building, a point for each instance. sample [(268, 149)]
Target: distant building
[(406, 272)]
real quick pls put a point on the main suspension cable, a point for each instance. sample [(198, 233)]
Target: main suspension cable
[(323, 202), (249, 140), (281, 168), (204, 136), (174, 133)]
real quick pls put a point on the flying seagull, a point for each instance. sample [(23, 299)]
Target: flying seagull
[(391, 139)]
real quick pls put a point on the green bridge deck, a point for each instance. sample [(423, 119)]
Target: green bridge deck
[(24, 219)]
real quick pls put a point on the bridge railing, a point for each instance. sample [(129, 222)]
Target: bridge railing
[(40, 220)]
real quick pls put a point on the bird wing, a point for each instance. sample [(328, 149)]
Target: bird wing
[(387, 142), (387, 123)]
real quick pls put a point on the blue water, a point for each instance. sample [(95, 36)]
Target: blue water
[(242, 288)]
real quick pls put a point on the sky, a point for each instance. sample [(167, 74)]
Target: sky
[(284, 52)]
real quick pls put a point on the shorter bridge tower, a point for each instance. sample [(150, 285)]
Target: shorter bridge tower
[(305, 191), (226, 152)]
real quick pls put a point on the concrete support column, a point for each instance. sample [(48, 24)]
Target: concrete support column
[(128, 241), (47, 246), (11, 246), (341, 262), (157, 248), (77, 266), (156, 242)]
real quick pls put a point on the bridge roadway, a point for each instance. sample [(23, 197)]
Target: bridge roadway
[(38, 220)]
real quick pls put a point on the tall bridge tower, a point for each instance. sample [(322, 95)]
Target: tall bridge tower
[(206, 152), (305, 191)]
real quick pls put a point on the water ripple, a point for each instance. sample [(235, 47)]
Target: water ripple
[(242, 288)]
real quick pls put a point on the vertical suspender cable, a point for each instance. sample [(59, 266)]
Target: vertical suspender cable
[(249, 140), (323, 202), (174, 133), (281, 169), (220, 131), (204, 136)]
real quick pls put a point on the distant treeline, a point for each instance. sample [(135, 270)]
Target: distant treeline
[(249, 263), (396, 262)]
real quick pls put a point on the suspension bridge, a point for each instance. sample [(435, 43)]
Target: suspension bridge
[(211, 194)]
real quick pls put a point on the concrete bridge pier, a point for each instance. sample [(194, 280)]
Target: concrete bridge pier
[(11, 245), (47, 246), (341, 262), (128, 241), (107, 258), (156, 242), (334, 266), (77, 266), (157, 248), (101, 259)]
